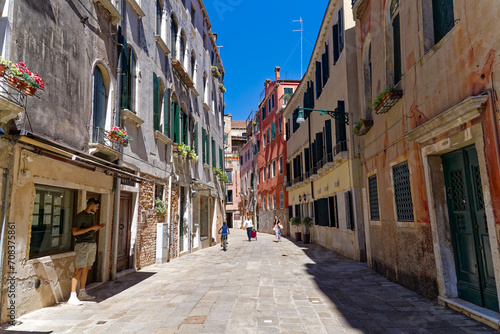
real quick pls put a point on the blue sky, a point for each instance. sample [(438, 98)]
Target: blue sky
[(256, 36)]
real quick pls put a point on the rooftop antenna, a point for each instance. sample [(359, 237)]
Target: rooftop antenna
[(301, 38)]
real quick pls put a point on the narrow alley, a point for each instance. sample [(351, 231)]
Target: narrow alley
[(254, 287)]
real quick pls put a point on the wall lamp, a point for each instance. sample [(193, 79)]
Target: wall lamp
[(339, 113)]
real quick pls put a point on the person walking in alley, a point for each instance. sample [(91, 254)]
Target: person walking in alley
[(277, 226), (84, 228), (248, 224)]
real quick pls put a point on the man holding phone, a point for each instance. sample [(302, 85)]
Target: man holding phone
[(84, 229)]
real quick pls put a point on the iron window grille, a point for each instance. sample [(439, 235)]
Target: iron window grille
[(373, 191), (402, 192)]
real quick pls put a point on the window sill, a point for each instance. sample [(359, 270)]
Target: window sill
[(161, 43), (115, 14), (161, 137), (130, 116), (205, 106), (137, 8), (49, 258)]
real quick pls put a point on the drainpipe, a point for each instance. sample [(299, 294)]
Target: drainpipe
[(494, 123), (116, 212), (4, 218)]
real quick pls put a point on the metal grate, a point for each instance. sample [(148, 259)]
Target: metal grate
[(479, 187), (402, 192), (373, 190), (458, 189)]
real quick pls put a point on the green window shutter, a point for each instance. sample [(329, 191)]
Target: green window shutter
[(273, 130), (221, 162), (185, 123), (203, 135), (156, 103), (195, 138), (176, 124), (214, 154), (268, 136), (207, 144), (166, 114), (124, 65)]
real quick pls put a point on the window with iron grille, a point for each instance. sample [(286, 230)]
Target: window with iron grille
[(282, 201), (373, 191), (402, 192)]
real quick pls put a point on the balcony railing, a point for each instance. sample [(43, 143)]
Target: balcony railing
[(298, 179), (100, 136), (340, 147)]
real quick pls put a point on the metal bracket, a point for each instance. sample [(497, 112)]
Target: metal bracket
[(337, 114)]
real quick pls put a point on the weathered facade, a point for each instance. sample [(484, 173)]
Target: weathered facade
[(57, 150), (248, 193), (323, 162), (431, 160), (270, 153)]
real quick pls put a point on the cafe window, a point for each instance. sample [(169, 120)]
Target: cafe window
[(53, 213)]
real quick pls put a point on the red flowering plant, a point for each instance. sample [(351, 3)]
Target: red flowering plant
[(119, 135), (22, 72)]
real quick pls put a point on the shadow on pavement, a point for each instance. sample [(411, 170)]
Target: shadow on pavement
[(371, 303), (112, 288)]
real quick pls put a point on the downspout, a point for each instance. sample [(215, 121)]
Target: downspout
[(116, 212), (4, 218), (169, 209), (493, 110)]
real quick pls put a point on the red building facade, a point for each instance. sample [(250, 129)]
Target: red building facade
[(270, 153)]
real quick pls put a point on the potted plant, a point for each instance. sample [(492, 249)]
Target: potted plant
[(385, 100), (192, 155), (215, 71), (222, 88), (4, 65), (286, 98), (183, 149), (362, 127), (119, 135), (222, 176), (307, 222), (296, 221), (161, 209)]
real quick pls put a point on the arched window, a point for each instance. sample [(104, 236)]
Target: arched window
[(158, 17), (173, 37), (182, 53), (193, 65), (100, 103), (158, 103)]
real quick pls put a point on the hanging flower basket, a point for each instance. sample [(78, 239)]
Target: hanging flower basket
[(119, 136), (222, 88), (386, 100), (362, 127)]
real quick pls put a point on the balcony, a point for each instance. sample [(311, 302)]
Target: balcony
[(12, 100), (176, 64), (131, 117), (110, 7), (298, 182), (340, 152), (102, 146)]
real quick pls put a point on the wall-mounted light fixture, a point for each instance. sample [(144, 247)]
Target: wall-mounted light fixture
[(339, 113)]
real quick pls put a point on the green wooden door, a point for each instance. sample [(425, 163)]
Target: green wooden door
[(475, 276)]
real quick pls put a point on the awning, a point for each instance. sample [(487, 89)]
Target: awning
[(67, 154)]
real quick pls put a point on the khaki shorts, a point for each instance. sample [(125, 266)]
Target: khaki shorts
[(85, 254)]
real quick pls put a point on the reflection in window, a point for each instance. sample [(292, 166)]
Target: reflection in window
[(53, 214)]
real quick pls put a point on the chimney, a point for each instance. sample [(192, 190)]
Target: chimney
[(215, 36), (277, 71), (267, 82)]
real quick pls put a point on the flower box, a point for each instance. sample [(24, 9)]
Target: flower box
[(386, 100), (119, 136), (362, 127), (216, 72)]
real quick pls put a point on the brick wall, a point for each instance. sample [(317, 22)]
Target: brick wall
[(174, 225)]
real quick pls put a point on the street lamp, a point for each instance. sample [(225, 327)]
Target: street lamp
[(339, 113)]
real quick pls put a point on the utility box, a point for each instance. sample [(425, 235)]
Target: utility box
[(161, 243)]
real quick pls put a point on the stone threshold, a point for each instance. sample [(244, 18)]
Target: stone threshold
[(478, 313), (125, 273)]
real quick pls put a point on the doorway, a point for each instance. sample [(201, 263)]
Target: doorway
[(229, 219), (469, 231), (93, 273), (125, 222)]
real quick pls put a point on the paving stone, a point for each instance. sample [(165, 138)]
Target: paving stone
[(253, 288)]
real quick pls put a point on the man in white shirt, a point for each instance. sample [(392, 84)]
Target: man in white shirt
[(248, 224)]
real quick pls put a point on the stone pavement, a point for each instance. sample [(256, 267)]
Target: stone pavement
[(254, 287)]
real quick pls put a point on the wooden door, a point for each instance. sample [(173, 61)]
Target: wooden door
[(124, 224), (474, 264)]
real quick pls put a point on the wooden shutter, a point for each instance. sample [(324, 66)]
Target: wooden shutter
[(442, 12), (124, 65), (340, 128), (195, 138), (328, 138), (319, 85), (336, 50), (166, 113), (203, 135), (156, 103)]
